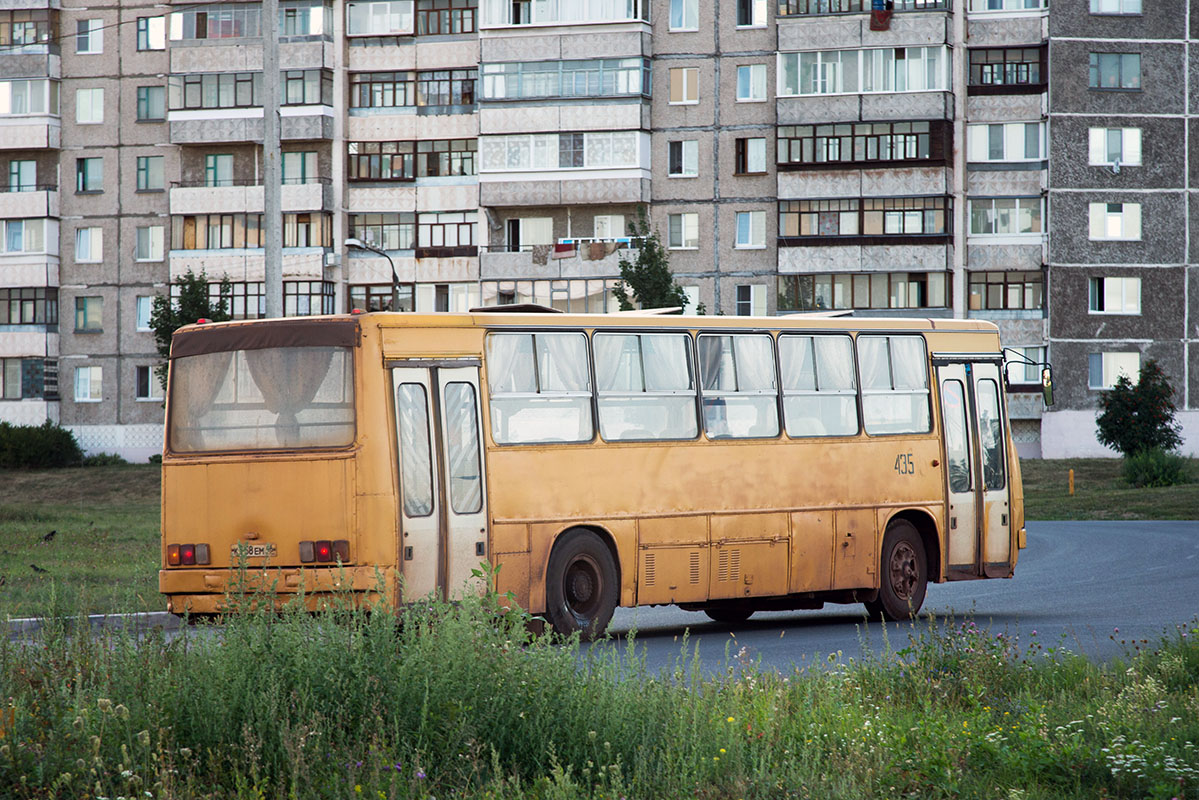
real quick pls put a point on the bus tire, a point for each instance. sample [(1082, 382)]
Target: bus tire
[(580, 589), (903, 574), (729, 615)]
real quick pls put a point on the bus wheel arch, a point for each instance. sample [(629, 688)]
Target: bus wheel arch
[(926, 526), (582, 582), (903, 573)]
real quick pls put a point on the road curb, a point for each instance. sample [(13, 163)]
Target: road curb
[(135, 623)]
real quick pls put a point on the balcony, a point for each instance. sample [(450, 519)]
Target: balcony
[(217, 125), (569, 258), (27, 203), (30, 132), (299, 264), (199, 198)]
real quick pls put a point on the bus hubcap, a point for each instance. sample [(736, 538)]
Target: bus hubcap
[(580, 585), (904, 572)]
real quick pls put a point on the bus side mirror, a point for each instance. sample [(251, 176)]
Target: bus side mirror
[(1047, 385)]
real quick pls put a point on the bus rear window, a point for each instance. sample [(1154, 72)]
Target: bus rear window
[(269, 399)]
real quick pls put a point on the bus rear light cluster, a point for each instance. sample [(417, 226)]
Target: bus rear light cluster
[(325, 551), (187, 554)]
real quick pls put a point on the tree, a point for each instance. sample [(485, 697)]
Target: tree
[(1134, 419), (193, 303), (648, 280)]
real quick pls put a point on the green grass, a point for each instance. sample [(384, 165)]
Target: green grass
[(457, 701), (1100, 492)]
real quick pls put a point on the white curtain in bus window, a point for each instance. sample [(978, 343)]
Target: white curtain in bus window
[(990, 431), (416, 461), (540, 387), (274, 398), (462, 435), (820, 395), (894, 384), (740, 392), (957, 452), (645, 386)]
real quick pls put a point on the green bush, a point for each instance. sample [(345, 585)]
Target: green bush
[(103, 460), (1156, 467), (38, 446)]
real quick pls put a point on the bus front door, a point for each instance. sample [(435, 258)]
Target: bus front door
[(443, 515), (979, 519)]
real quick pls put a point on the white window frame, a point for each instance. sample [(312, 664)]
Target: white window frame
[(1117, 294), (1115, 222), (155, 30), (1021, 203), (689, 90), (156, 237), (90, 240), (152, 384), (1116, 7), (869, 66), (759, 13), (375, 10), (89, 37), (755, 83), (89, 106), (689, 158), (688, 231), (1130, 147), (686, 13), (1009, 6), (89, 384), (1012, 135), (143, 310), (755, 304), (750, 227), (1111, 366)]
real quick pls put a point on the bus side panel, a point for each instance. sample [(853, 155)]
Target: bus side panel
[(672, 565), (811, 551), (855, 557), (542, 536), (509, 550)]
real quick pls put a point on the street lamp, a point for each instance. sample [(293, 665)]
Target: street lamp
[(395, 279)]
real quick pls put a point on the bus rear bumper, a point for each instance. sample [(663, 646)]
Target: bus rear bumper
[(1022, 539), (203, 591)]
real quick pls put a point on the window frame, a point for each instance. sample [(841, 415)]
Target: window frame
[(89, 99), (151, 173), (684, 217), (1098, 291), (754, 84), (687, 167), (688, 87), (1096, 72), (94, 384)]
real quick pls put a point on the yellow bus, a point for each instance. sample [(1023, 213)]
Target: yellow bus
[(720, 464)]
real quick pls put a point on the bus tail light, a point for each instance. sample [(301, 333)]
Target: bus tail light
[(173, 555), (188, 551), (325, 551), (341, 550), (202, 555), (307, 554), (188, 554)]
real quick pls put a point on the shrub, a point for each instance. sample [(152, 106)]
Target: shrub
[(1156, 467), (156, 458), (38, 446), (1141, 417), (103, 460)]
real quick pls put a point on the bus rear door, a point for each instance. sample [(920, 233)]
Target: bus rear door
[(443, 513), (979, 508)]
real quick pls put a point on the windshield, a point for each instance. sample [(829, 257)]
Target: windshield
[(263, 399)]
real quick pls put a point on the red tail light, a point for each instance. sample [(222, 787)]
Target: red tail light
[(188, 552), (324, 551)]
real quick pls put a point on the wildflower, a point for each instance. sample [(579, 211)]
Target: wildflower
[(358, 788), (715, 758), (80, 764), (185, 752), (105, 704), (420, 774), (722, 751), (121, 711), (731, 719), (78, 723), (143, 738)]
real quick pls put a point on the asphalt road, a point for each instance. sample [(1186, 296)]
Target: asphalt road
[(1091, 587)]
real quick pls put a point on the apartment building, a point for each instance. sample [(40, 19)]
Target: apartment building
[(793, 155)]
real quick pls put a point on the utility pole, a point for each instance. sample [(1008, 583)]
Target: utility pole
[(272, 179)]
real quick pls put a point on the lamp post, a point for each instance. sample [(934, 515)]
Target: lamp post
[(395, 279)]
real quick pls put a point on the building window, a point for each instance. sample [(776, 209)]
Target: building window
[(891, 69), (857, 142), (873, 290), (88, 384), (89, 312), (751, 229), (449, 87), (1027, 371), (1008, 66), (1005, 216), (147, 387), (1115, 71), (751, 300), (244, 89), (218, 169), (149, 243), (684, 15), (1129, 7), (89, 245), (518, 80), (23, 235), (1115, 221), (89, 36), (385, 231), (434, 17), (1000, 291), (1104, 369), (796, 8), (299, 167), (143, 310), (10, 378), (751, 83), (896, 216), (552, 151), (528, 12), (446, 229), (28, 97), (151, 33), (381, 161), (151, 103), (217, 21), (1011, 141), (22, 175), (89, 106), (149, 174), (89, 174), (1115, 295), (682, 231), (28, 30), (749, 156), (377, 297), (1008, 5), (306, 298), (684, 85), (1115, 147), (683, 158), (29, 306), (379, 18), (751, 13), (241, 231)]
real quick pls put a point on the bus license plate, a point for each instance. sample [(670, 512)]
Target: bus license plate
[(254, 550)]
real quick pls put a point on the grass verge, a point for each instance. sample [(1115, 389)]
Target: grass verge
[(1100, 492), (457, 701)]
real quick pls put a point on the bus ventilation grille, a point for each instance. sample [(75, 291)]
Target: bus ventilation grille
[(728, 565), (695, 567), (651, 572)]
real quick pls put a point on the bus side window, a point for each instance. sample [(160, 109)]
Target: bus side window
[(645, 386), (894, 384), (740, 391), (819, 388), (540, 387)]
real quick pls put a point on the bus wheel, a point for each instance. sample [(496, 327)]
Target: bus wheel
[(580, 590), (903, 573), (729, 615)]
